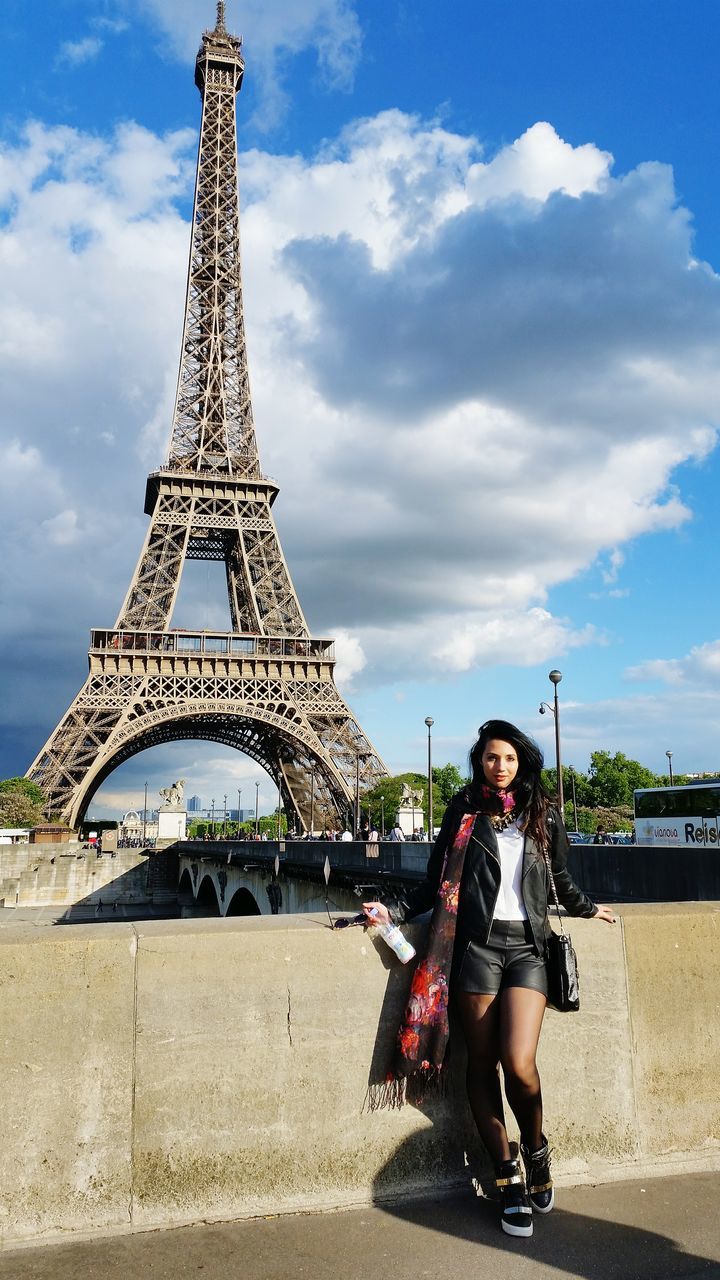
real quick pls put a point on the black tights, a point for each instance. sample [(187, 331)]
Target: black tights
[(503, 1030)]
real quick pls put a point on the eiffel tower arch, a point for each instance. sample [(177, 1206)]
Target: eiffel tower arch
[(267, 686)]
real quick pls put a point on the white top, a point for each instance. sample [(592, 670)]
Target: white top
[(509, 905)]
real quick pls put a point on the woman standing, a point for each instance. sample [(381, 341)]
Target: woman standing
[(487, 881)]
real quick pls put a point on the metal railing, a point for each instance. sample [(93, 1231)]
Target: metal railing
[(211, 644)]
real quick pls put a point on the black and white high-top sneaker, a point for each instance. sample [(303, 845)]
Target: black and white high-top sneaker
[(539, 1180), (516, 1217)]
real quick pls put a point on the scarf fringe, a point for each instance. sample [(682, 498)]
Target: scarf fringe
[(421, 1085)]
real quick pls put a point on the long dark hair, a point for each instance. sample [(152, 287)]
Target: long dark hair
[(531, 799)]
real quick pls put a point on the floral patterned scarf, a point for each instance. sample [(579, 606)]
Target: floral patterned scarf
[(424, 1032)]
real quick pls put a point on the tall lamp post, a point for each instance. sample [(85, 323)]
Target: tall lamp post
[(430, 722), (257, 813), (357, 793), (669, 755), (312, 802), (555, 677), (224, 817), (574, 797), (212, 819), (239, 791), (382, 816), (145, 818)]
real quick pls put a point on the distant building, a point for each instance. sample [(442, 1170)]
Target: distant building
[(137, 827), (194, 804), (232, 815)]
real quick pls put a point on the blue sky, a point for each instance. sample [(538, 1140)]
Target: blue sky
[(480, 247)]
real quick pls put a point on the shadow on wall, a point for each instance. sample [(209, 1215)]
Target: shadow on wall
[(447, 1152), (147, 891)]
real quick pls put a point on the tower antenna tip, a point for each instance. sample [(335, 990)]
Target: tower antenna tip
[(220, 23)]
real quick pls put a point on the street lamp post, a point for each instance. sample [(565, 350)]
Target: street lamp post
[(312, 802), (145, 818), (430, 722), (572, 784), (239, 791), (279, 807), (669, 755), (212, 819), (555, 677), (224, 817), (257, 814), (357, 792), (382, 816)]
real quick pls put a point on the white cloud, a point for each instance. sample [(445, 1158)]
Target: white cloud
[(74, 53), (63, 529), (643, 727), (90, 246), (535, 166), (609, 575), (349, 658), (700, 667), (485, 401), (473, 380)]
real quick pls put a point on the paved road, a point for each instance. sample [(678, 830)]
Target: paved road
[(659, 1229)]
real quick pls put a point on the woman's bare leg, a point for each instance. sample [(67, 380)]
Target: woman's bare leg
[(480, 1019), (520, 1023)]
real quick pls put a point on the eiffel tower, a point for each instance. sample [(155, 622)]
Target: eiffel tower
[(267, 687)]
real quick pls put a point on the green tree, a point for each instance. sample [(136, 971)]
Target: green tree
[(446, 781), (614, 778), (24, 785), (21, 803), (583, 793), (385, 796), (619, 818)]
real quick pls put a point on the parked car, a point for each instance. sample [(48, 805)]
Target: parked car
[(577, 837)]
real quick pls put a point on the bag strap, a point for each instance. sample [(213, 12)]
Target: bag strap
[(554, 890)]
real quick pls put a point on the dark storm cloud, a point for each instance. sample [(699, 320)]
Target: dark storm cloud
[(538, 307)]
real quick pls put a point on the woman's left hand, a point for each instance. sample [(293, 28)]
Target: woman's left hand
[(605, 913)]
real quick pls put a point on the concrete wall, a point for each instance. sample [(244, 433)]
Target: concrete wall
[(60, 875), (184, 1070)]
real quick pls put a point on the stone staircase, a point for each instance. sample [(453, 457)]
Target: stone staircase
[(163, 877)]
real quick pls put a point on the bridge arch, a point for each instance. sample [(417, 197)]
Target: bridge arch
[(207, 897), (243, 903), (186, 893)]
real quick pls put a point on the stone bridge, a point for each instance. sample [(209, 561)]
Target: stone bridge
[(215, 886), (248, 878), (233, 877)]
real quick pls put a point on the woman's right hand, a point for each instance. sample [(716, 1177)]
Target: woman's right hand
[(376, 912)]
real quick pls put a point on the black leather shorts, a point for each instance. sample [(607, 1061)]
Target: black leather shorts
[(508, 959)]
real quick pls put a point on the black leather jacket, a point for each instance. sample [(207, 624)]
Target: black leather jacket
[(480, 883)]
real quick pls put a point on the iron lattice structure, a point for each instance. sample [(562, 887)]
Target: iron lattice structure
[(266, 687)]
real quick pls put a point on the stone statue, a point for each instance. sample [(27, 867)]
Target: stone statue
[(174, 796), (409, 798)]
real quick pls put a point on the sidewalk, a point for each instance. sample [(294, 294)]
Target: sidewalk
[(657, 1229)]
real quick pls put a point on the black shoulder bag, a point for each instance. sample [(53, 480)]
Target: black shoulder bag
[(561, 960)]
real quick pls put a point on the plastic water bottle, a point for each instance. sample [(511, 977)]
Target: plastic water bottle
[(390, 933)]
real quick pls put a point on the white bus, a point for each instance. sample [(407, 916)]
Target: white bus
[(689, 814)]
